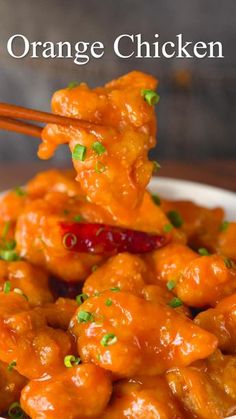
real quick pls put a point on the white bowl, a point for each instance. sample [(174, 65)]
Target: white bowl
[(202, 194)]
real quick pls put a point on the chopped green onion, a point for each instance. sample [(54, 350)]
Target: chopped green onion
[(171, 284), (78, 218), (229, 263), (15, 411), (7, 244), (115, 289), (81, 298), (224, 226), (42, 240), (5, 230), (94, 268), (19, 191), (203, 251), (167, 228), (99, 167), (10, 244), (156, 166), (98, 356), (151, 97), (99, 148), (79, 152), (156, 199), (175, 218), (72, 85), (9, 255), (175, 302), (97, 294), (108, 339), (11, 366), (84, 317), (20, 292), (7, 287), (66, 212), (71, 360), (108, 302)]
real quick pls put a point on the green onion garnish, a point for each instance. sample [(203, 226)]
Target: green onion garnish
[(9, 255), (99, 148), (167, 228), (108, 339), (115, 289), (71, 360), (5, 230), (79, 152), (156, 199), (19, 191), (7, 244), (94, 268), (151, 97), (156, 166), (11, 366), (78, 218), (20, 292), (175, 218), (108, 302), (224, 226), (84, 317), (99, 167), (229, 263), (15, 411), (81, 298), (171, 284), (72, 85), (203, 251), (10, 244), (175, 302), (7, 287)]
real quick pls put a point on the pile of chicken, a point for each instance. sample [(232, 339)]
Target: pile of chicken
[(123, 335)]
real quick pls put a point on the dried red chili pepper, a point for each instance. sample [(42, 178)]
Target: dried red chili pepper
[(101, 238)]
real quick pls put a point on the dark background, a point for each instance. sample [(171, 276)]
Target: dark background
[(197, 111)]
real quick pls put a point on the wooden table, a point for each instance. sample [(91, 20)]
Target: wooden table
[(219, 173)]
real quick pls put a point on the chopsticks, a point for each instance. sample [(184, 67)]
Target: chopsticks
[(9, 115), (10, 124)]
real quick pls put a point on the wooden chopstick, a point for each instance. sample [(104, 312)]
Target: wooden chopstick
[(10, 113), (9, 124)]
